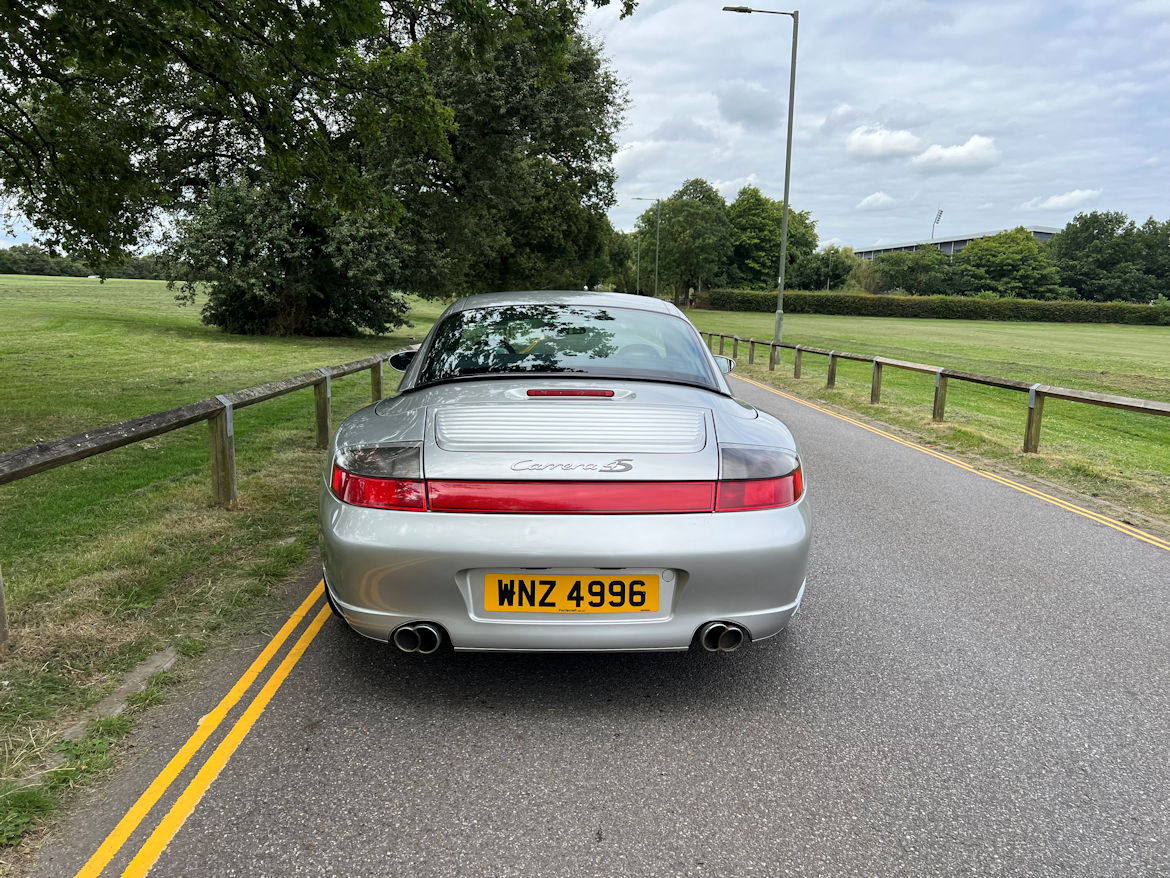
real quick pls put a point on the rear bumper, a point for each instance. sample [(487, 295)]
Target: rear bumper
[(385, 568)]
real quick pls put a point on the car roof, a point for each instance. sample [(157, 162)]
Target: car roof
[(563, 297)]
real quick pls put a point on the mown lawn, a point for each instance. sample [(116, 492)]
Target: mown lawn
[(108, 559), (1119, 457)]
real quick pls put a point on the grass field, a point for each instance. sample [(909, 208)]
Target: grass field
[(108, 559), (1119, 457)]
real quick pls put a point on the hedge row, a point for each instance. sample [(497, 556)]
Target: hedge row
[(947, 307)]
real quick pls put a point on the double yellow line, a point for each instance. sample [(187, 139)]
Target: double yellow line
[(1127, 529), (170, 824)]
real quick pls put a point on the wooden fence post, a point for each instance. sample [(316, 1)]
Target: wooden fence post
[(222, 433), (376, 381), (751, 351), (3, 615), (771, 356), (875, 387), (832, 380), (722, 339), (940, 396), (796, 362), (323, 391), (735, 347), (1035, 413)]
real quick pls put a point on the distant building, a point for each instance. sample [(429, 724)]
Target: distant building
[(953, 245)]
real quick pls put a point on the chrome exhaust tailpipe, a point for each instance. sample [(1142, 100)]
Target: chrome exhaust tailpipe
[(429, 638), (731, 639), (721, 637), (420, 637), (710, 634), (406, 638)]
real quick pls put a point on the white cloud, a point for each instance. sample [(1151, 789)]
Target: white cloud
[(880, 142), (876, 201), (1066, 201), (977, 153), (749, 105), (840, 116), (678, 128)]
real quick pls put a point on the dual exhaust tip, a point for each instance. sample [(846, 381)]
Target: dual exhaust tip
[(420, 637), (721, 637)]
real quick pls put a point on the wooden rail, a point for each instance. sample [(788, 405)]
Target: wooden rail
[(1037, 393), (219, 414)]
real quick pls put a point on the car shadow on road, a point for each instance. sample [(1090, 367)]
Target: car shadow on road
[(580, 681)]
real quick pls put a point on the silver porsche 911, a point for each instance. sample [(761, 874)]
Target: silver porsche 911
[(564, 471)]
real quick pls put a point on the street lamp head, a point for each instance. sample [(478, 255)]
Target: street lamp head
[(767, 11)]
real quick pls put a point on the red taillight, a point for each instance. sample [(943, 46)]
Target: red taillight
[(745, 495), (583, 498), (570, 392), (379, 493)]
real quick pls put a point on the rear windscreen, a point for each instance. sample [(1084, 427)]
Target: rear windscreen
[(573, 340)]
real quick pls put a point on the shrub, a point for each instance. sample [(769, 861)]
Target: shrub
[(939, 307)]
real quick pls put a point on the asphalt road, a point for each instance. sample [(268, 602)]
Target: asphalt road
[(978, 684)]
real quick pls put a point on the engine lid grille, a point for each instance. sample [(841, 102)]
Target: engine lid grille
[(571, 426)]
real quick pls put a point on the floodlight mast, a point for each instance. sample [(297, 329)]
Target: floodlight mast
[(795, 15)]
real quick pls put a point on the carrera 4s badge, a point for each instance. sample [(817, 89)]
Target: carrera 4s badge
[(620, 465)]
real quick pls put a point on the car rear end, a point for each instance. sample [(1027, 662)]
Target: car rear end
[(564, 513)]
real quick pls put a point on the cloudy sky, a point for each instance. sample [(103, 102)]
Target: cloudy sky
[(1000, 113)]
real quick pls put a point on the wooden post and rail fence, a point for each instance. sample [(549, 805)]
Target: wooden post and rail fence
[(1037, 393), (219, 412)]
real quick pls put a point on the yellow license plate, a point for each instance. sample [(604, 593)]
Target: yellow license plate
[(570, 593)]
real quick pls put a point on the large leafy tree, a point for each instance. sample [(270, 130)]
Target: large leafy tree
[(826, 269), (624, 262), (109, 110), (922, 272), (1104, 256), (316, 115), (1011, 264), (519, 202), (696, 237), (756, 224)]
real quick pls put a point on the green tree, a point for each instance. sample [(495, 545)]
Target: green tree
[(110, 112), (922, 272), (1011, 265), (696, 237), (519, 201), (511, 197), (623, 257), (756, 223), (864, 276), (273, 264), (1156, 236), (1105, 257), (826, 269)]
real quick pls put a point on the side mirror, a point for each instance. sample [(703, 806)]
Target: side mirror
[(401, 360), (726, 364)]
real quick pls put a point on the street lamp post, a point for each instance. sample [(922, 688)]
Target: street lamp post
[(638, 269), (795, 14), (657, 239)]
